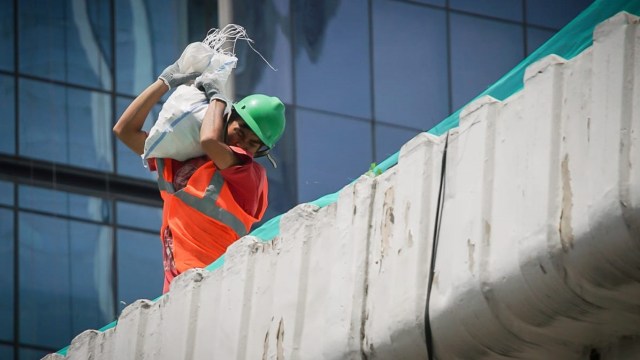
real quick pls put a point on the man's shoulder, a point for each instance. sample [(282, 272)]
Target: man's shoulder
[(256, 168), (249, 170)]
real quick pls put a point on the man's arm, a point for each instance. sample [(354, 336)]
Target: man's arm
[(212, 136), (129, 127)]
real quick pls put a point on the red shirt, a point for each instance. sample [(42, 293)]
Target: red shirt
[(245, 181)]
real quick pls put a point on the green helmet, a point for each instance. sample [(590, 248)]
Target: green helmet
[(264, 115)]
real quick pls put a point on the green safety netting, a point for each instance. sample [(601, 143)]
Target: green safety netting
[(567, 43)]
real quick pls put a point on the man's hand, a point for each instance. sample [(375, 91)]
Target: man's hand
[(212, 88), (173, 77)]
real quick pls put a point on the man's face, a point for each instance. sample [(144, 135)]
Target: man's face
[(240, 134)]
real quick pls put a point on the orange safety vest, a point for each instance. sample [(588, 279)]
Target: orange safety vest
[(204, 218)]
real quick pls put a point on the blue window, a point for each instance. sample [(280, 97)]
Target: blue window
[(140, 271), (554, 14), (536, 38), (482, 51), (64, 203), (6, 36), (139, 216), (389, 140), (65, 125), (128, 162), (65, 278), (333, 152), (332, 56), (6, 275), (67, 41), (505, 9), (150, 35), (6, 352), (268, 26), (6, 193), (411, 85), (31, 354), (8, 123), (433, 2), (203, 15)]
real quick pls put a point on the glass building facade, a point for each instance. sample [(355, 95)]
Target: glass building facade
[(80, 215)]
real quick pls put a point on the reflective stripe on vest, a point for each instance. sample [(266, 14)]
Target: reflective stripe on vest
[(206, 204)]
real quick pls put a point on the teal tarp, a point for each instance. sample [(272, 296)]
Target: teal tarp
[(567, 43)]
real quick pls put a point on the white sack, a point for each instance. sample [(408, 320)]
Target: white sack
[(176, 133)]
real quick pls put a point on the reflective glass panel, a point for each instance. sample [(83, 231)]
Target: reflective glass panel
[(65, 125), (8, 123), (139, 216), (140, 271), (410, 64), (268, 26), (64, 203), (6, 36), (333, 151), (31, 354), (6, 275), (65, 279), (332, 67), (506, 9), (128, 162), (6, 193), (554, 14), (482, 51), (6, 352), (389, 140), (283, 191), (433, 2), (537, 37), (67, 41), (202, 15), (150, 35)]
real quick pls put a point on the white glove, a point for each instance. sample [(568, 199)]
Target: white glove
[(173, 77)]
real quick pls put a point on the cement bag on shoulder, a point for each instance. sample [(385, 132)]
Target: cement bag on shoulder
[(176, 133)]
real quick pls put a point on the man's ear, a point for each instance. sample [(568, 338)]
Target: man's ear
[(232, 115)]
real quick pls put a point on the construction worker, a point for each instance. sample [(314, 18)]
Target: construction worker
[(209, 201)]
